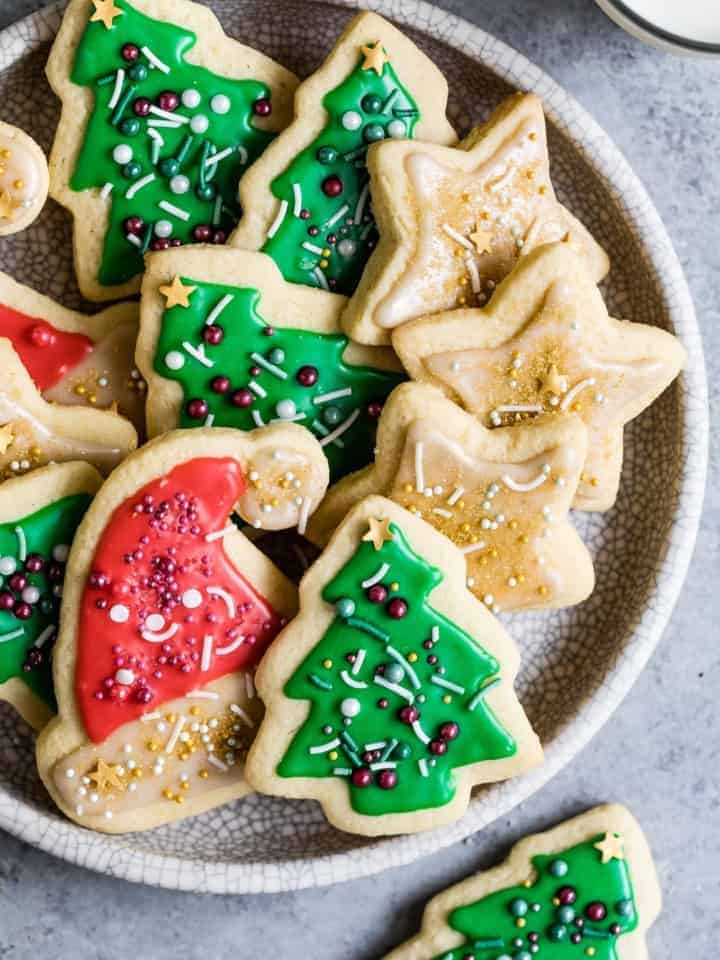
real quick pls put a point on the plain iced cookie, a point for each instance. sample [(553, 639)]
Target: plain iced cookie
[(501, 496), (454, 221), (546, 345), (24, 179)]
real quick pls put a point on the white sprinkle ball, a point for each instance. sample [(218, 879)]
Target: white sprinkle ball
[(122, 153), (220, 103), (180, 183), (199, 123), (163, 228), (119, 613), (190, 99), (174, 360), (351, 120)]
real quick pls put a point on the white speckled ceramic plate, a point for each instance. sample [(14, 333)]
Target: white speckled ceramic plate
[(578, 664)]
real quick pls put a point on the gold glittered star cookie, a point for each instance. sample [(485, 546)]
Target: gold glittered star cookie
[(501, 496), (177, 294), (453, 221), (374, 57), (106, 776), (610, 847), (547, 329), (378, 532)]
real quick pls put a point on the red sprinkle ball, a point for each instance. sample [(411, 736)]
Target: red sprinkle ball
[(197, 409), (374, 409), (262, 107), (397, 608), (409, 714), (168, 100), (307, 376), (332, 186), (361, 777), (42, 336), (134, 225), (377, 593), (220, 384), (242, 398), (387, 779), (213, 334), (202, 233), (130, 52), (141, 106), (449, 731)]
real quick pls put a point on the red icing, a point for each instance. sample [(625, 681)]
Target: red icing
[(47, 353), (152, 551)]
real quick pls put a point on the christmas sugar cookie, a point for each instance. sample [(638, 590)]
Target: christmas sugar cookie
[(161, 112), (391, 693), (73, 358), (454, 221), (34, 432), (585, 889), (225, 340), (23, 179), (167, 609), (307, 202), (38, 518), (545, 344), (502, 496)]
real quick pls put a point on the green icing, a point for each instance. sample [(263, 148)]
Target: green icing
[(364, 108), (21, 541), (403, 652), (258, 359), (508, 924), (210, 198)]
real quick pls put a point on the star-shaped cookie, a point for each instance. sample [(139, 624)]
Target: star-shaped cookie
[(453, 221), (36, 432), (501, 496), (546, 330)]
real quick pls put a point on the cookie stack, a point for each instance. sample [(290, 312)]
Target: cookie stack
[(334, 293)]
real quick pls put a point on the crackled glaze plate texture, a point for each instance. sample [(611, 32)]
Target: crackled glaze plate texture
[(578, 664)]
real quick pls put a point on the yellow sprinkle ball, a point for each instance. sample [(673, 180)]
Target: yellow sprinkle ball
[(327, 664), (171, 717), (447, 698), (168, 794), (412, 657), (79, 389), (324, 263), (542, 590), (184, 755), (194, 711), (513, 524), (394, 586), (333, 755), (152, 746), (523, 538), (326, 252), (203, 774), (520, 922), (179, 799), (184, 784), (465, 527)]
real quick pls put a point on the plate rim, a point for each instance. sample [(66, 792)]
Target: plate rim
[(70, 842)]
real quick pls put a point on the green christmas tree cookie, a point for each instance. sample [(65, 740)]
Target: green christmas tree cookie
[(408, 707), (33, 550), (174, 121), (308, 203), (255, 351), (587, 889)]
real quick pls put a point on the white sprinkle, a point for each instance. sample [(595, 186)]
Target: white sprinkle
[(524, 487), (155, 61), (359, 660), (238, 710), (394, 687), (320, 277), (323, 431), (297, 199), (303, 514), (198, 353), (448, 684), (171, 124), (135, 241), (520, 408), (217, 157), (147, 717), (422, 765), (277, 222), (209, 420), (270, 367), (376, 577), (45, 635), (458, 237), (333, 395), (383, 765), (203, 695), (342, 428), (119, 81), (455, 496), (106, 191), (174, 736), (571, 394), (419, 471), (191, 598), (217, 763), (119, 613), (259, 422), (138, 185), (441, 512), (474, 274), (206, 656), (249, 686), (230, 648), (362, 199), (472, 547), (338, 215), (419, 732), (152, 637), (358, 684), (218, 534), (312, 247), (225, 597), (399, 658), (175, 211)]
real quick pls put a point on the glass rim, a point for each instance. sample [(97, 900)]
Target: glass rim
[(675, 39)]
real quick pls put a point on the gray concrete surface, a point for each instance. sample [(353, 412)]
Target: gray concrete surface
[(659, 754)]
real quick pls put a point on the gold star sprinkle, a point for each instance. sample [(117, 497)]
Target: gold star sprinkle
[(482, 240), (177, 294), (610, 847), (554, 382), (375, 57), (105, 776), (378, 532), (105, 11)]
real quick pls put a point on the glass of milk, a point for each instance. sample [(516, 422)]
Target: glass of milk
[(683, 26)]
